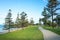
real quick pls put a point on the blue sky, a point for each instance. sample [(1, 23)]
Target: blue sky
[(33, 8)]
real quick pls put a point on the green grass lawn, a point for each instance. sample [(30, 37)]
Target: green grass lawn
[(30, 33), (56, 30)]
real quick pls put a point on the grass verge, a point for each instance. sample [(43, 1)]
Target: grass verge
[(29, 33), (56, 30)]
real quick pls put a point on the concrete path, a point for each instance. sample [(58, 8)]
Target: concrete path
[(48, 35)]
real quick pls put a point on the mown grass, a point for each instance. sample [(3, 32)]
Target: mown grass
[(56, 30), (29, 33)]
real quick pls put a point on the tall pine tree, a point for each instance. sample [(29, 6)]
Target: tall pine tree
[(31, 21), (23, 19), (17, 22), (52, 7), (8, 21)]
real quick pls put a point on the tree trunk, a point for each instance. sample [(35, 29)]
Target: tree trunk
[(52, 19)]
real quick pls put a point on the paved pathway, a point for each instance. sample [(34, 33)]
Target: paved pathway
[(48, 35)]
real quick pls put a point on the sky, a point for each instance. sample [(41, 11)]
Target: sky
[(33, 8)]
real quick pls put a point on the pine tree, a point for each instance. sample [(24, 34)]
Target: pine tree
[(46, 16), (31, 21), (17, 23), (52, 7), (23, 19), (8, 21)]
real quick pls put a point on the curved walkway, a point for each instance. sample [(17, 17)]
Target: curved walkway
[(48, 35)]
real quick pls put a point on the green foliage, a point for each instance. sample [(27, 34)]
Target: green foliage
[(23, 21), (29, 33), (44, 13), (17, 22), (8, 21), (52, 7), (57, 20), (56, 30), (49, 23), (46, 16), (31, 21)]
